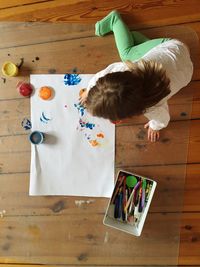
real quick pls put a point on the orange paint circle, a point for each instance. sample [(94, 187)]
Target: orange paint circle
[(45, 92), (82, 91)]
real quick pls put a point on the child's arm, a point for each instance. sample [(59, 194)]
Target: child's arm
[(158, 119)]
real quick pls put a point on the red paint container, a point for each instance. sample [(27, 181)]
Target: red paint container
[(25, 89)]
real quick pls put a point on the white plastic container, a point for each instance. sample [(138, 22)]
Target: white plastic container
[(135, 227)]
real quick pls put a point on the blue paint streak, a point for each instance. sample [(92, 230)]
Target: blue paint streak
[(86, 124), (72, 79), (26, 124), (43, 120), (44, 117), (80, 108)]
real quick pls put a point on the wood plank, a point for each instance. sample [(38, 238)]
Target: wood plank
[(83, 239), (132, 148), (38, 265), (142, 13), (168, 196), (18, 3), (193, 149), (18, 33), (190, 238), (192, 188)]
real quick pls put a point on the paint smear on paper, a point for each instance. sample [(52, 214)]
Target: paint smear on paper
[(100, 135), (82, 91), (80, 108), (26, 124), (94, 142), (95, 137), (44, 119), (88, 125), (72, 79)]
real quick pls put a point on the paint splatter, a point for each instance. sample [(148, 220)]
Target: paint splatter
[(94, 142), (81, 108), (79, 203), (4, 79), (74, 70), (21, 63), (44, 119), (100, 135), (52, 71), (2, 213), (65, 106), (72, 79), (88, 125), (82, 91), (26, 124), (92, 132)]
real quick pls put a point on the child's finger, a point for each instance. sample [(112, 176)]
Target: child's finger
[(153, 137), (149, 135), (158, 135)]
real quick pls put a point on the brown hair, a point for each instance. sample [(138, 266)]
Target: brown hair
[(119, 95)]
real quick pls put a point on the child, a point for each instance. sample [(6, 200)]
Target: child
[(153, 71)]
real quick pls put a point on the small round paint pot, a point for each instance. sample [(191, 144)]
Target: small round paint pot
[(45, 93), (10, 69), (25, 89), (131, 181), (36, 137)]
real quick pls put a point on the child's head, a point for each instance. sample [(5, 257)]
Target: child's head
[(119, 95)]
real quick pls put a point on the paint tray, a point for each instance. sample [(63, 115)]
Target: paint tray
[(130, 201)]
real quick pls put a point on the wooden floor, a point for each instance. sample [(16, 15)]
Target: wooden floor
[(69, 231)]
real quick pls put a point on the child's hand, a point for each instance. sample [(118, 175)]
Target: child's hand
[(82, 96), (153, 135)]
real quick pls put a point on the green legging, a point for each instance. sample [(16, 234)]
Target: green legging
[(131, 45)]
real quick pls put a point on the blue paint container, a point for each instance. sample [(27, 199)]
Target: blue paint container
[(36, 137)]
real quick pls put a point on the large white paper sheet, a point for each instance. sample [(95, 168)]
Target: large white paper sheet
[(77, 157)]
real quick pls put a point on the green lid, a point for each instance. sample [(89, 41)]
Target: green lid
[(131, 181)]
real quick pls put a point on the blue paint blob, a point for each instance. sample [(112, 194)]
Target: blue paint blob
[(26, 124), (80, 108), (72, 79), (84, 124)]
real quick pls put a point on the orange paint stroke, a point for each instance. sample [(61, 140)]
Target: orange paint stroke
[(101, 135), (82, 91), (94, 142)]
